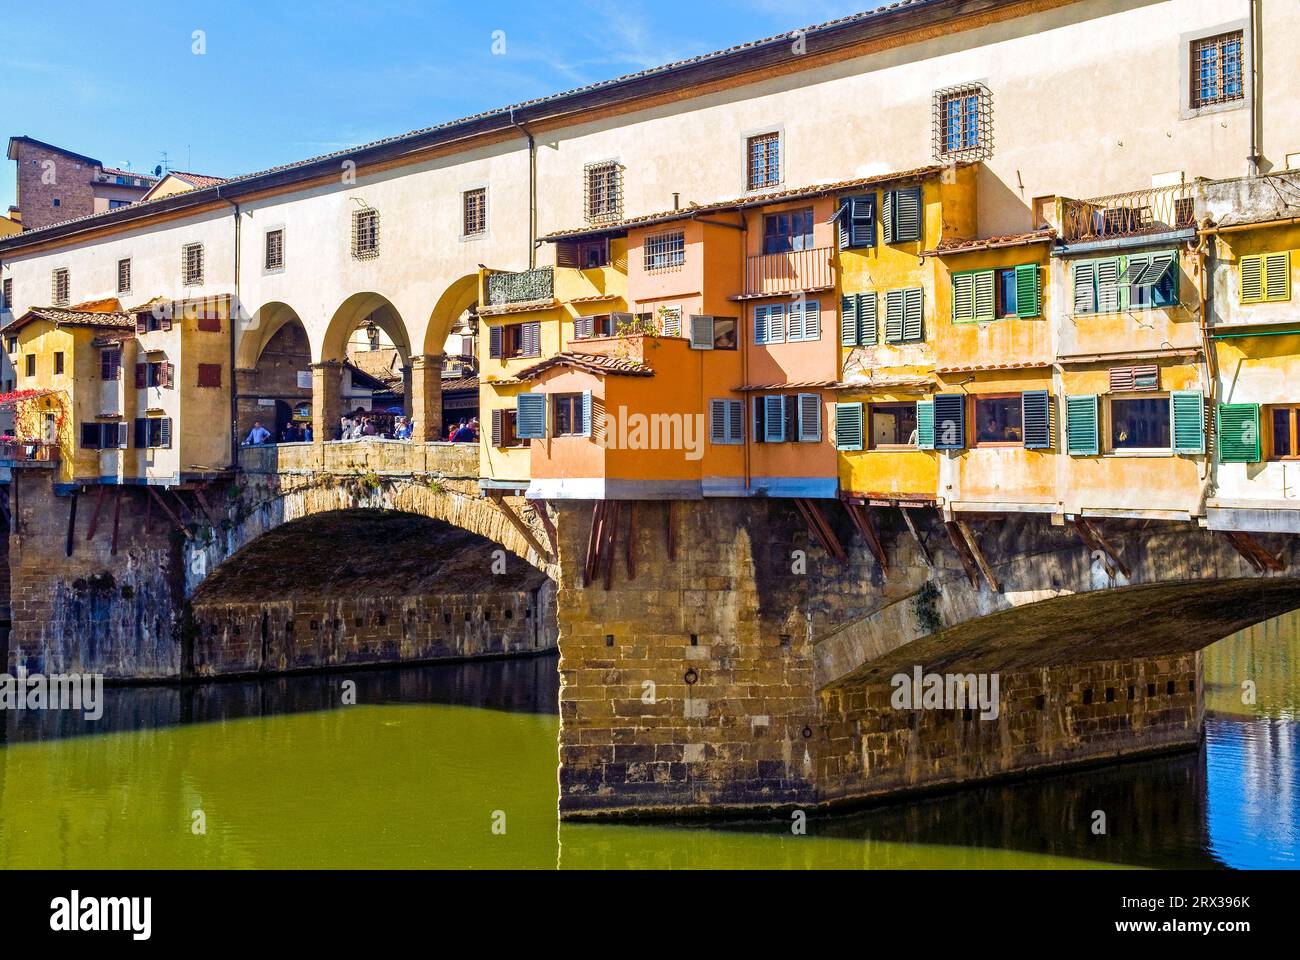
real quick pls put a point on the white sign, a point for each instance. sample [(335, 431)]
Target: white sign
[(263, 402), (304, 379)]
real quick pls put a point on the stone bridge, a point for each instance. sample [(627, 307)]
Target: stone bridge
[(717, 655)]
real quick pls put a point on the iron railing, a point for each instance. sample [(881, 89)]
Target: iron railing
[(775, 273), (1157, 210)]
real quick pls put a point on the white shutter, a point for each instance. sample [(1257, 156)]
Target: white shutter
[(701, 332)]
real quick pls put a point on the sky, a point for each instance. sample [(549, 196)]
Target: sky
[(232, 88)]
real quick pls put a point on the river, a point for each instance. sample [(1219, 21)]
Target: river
[(419, 771)]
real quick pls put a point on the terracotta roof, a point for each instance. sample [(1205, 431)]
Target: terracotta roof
[(745, 202), (148, 179), (197, 180), (63, 317), (460, 383), (981, 367), (791, 385), (596, 363), (990, 243)]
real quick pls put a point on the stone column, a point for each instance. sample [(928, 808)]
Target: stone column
[(426, 396), (326, 399), (247, 409)]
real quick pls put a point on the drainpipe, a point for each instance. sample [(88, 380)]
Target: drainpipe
[(532, 191), (233, 317), (1252, 161), (743, 338)]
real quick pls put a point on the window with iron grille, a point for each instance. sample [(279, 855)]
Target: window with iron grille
[(763, 161), (602, 185), (1217, 69), (665, 250), (124, 276), (59, 286), (963, 123), (7, 294), (273, 252), (474, 212), (365, 234), (192, 264)]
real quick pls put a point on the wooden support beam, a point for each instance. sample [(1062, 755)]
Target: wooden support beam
[(1255, 552), (861, 517), (920, 544), (154, 498), (611, 543), (184, 511), (1085, 534), (117, 516), (539, 507), (203, 505), (1091, 536), (670, 522), (978, 555), (594, 541), (631, 538), (72, 525), (520, 527), (94, 517), (963, 552), (821, 528)]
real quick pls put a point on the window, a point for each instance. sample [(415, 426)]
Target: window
[(904, 312), (963, 123), (856, 220), (804, 320), (116, 204), (664, 251), (1216, 70), (153, 432), (365, 234), (769, 323), (503, 429), (11, 344), (124, 276), (764, 161), (1265, 277), (998, 420), (892, 425), (603, 191), (1284, 441), (571, 415), (60, 284), (989, 294), (209, 375), (192, 264), (859, 323), (474, 212), (7, 294), (600, 325), (726, 422), (103, 436), (110, 363), (724, 333), (515, 340), (900, 215), (779, 418), (1138, 281), (583, 254), (273, 250), (31, 365), (155, 373), (670, 321), (58, 362), (1140, 423), (788, 231)]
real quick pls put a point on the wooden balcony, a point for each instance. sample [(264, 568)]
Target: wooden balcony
[(28, 453), (772, 274), (1135, 214)]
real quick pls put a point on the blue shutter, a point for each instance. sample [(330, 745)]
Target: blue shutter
[(848, 426), (859, 222), (812, 320), (586, 413), (794, 321), (950, 421), (925, 424), (1036, 417), (774, 419), (810, 417), (1082, 433), (762, 326), (530, 416), (887, 215)]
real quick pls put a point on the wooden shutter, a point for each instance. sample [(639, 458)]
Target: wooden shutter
[(868, 321), (165, 321), (894, 302), (164, 431), (586, 413), (701, 332), (907, 211), (735, 421), (1131, 379), (857, 222), (141, 433), (1251, 271), (763, 324), (498, 427), (1082, 437), (849, 320), (774, 419), (530, 416), (841, 221), (1277, 276), (1085, 286), (1187, 407), (90, 436), (950, 421), (963, 297), (1109, 296), (848, 426), (925, 424), (532, 338), (494, 342), (583, 327), (1237, 433), (887, 215), (913, 314), (672, 323), (776, 323), (166, 374), (566, 255), (141, 375), (209, 324), (812, 320), (810, 417), (209, 375), (794, 322), (141, 323), (986, 301), (1036, 417), (1028, 290), (717, 421), (121, 435)]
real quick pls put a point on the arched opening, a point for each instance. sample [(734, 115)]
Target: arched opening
[(273, 366), (364, 371), (407, 588), (445, 378)]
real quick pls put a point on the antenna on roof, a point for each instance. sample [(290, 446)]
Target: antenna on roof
[(164, 166)]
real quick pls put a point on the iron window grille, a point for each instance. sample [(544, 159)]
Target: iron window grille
[(602, 187), (365, 234), (663, 251), (7, 295), (763, 165), (1217, 70), (59, 286), (963, 123), (192, 264), (474, 212), (273, 258), (124, 276)]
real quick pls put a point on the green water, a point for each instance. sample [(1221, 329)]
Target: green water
[(419, 771)]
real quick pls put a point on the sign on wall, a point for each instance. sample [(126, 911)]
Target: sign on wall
[(304, 379)]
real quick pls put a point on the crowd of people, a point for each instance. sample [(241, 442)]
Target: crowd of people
[(358, 425), (466, 431)]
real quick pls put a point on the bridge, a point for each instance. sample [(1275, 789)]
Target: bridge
[(714, 655)]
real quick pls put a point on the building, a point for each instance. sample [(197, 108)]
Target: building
[(177, 181), (55, 184)]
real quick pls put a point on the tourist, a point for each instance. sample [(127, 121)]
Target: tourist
[(306, 433), (258, 435), (345, 428), (465, 434)]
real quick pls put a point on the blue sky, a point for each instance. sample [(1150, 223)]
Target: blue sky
[(281, 82)]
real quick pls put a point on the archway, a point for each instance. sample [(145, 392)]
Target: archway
[(448, 358), (273, 370), (347, 378)]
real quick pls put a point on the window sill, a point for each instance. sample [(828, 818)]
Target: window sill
[(1143, 454)]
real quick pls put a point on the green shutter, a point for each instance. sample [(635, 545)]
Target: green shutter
[(848, 426), (1036, 417), (914, 314), (925, 424), (887, 215), (963, 297), (894, 316), (1237, 433), (1028, 290), (849, 320), (1188, 410), (1085, 286), (1110, 296), (868, 322), (985, 298), (1082, 437)]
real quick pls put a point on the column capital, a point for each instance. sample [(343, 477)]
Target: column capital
[(326, 365), (423, 360)]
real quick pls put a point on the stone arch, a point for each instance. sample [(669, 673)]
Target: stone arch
[(273, 352), (460, 296), (256, 332), (351, 314)]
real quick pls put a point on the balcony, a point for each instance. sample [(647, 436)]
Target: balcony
[(525, 286), (28, 453), (772, 274), (1139, 213)]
